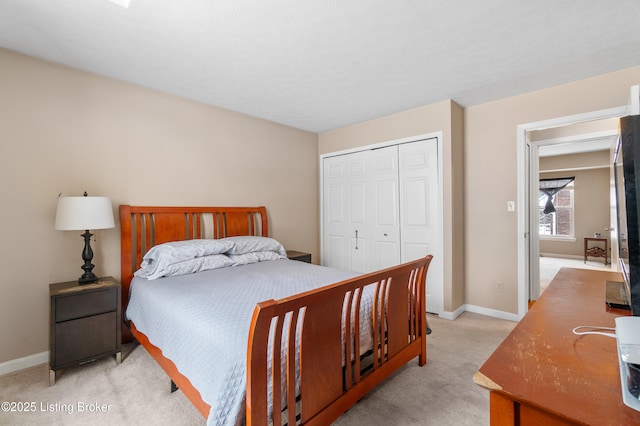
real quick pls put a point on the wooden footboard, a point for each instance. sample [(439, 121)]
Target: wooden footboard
[(328, 385)]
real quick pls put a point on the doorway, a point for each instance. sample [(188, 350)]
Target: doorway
[(578, 156), (528, 172)]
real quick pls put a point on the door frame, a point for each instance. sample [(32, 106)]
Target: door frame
[(527, 158), (439, 136)]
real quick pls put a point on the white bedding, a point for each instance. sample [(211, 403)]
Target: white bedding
[(186, 316)]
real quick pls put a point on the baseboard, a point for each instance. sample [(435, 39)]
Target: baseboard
[(479, 310), (452, 315), (24, 362), (492, 313), (562, 256)]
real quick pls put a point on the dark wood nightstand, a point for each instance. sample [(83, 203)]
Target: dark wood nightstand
[(298, 255), (84, 323)]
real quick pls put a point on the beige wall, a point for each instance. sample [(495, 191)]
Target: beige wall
[(444, 116), (63, 130), (591, 198), (491, 243)]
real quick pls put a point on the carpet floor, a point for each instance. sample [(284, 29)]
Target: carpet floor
[(137, 391)]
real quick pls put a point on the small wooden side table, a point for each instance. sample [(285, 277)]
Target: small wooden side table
[(298, 255), (596, 250), (84, 323)]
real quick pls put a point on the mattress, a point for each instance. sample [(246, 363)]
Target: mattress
[(201, 322)]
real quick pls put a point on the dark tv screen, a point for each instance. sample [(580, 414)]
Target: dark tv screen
[(627, 177)]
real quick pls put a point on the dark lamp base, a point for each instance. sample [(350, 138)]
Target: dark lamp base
[(88, 278), (87, 255)]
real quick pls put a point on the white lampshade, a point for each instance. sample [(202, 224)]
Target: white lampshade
[(84, 213)]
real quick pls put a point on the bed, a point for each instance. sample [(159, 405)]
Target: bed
[(302, 343)]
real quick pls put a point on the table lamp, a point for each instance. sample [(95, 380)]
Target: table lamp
[(84, 213)]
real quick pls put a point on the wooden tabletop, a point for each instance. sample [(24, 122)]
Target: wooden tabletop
[(542, 363)]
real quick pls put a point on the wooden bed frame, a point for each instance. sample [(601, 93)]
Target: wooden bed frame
[(327, 316)]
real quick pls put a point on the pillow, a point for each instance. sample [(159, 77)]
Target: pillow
[(190, 266), (160, 256), (249, 244), (255, 256)]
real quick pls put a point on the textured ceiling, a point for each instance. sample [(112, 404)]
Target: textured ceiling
[(320, 65)]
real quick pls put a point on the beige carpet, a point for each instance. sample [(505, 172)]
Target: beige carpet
[(549, 267), (137, 391)]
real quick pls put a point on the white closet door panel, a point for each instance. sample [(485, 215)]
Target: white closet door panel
[(335, 220), (357, 203), (336, 246), (416, 251), (416, 202), (383, 207), (357, 164), (418, 196), (419, 222), (386, 203), (386, 254), (335, 199), (417, 217), (385, 160), (358, 254), (334, 169)]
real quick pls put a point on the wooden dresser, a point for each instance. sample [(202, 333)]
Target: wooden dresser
[(543, 373)]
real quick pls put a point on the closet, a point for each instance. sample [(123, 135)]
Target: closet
[(380, 207)]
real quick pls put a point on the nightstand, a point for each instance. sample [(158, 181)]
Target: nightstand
[(84, 323), (298, 255)]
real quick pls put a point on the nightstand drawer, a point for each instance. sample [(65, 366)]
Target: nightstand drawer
[(86, 304), (85, 338)]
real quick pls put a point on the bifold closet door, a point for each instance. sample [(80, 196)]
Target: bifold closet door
[(380, 208), (418, 171), (383, 209), (344, 194), (419, 219), (360, 210)]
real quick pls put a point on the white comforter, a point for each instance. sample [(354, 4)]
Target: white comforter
[(187, 316)]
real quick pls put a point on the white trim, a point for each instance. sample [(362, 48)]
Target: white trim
[(439, 136), (634, 100), (562, 256), (492, 313), (452, 315), (602, 134), (384, 144), (523, 167), (25, 362), (574, 169), (558, 238)]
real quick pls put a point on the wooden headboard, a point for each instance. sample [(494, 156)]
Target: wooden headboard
[(142, 227)]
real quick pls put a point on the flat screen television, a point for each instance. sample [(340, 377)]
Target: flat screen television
[(627, 185)]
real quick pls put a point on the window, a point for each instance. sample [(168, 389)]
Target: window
[(558, 224)]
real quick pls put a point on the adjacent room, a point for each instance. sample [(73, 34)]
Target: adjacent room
[(409, 147)]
